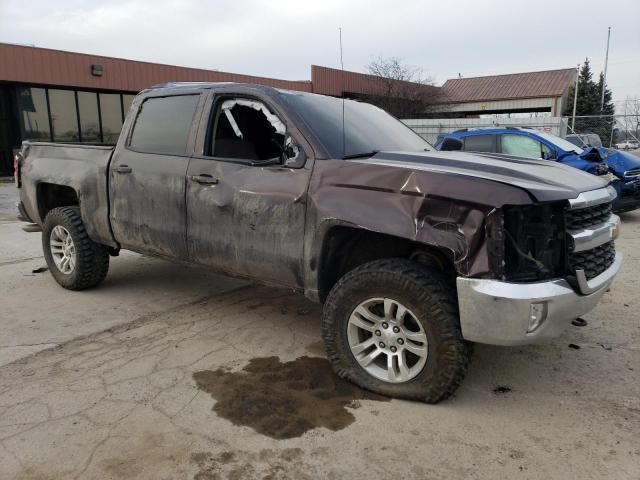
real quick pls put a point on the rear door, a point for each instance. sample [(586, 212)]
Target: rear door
[(246, 200), (480, 143), (147, 175)]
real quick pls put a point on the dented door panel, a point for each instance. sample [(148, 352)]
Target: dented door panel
[(250, 222)]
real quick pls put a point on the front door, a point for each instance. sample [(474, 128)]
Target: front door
[(147, 177), (246, 203)]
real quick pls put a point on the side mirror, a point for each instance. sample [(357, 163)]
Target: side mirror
[(294, 156), (549, 155), (451, 145)]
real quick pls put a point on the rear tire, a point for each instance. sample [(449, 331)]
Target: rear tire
[(75, 261), (425, 360)]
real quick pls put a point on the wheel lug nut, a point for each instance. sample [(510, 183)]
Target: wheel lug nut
[(381, 344), (396, 329), (378, 333), (401, 341), (385, 325), (393, 349)]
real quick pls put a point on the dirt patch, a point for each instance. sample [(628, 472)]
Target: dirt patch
[(316, 349), (266, 464), (283, 400)]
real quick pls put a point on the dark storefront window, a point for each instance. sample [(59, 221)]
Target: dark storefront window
[(32, 108), (89, 117), (64, 119), (6, 133), (60, 115), (57, 114), (111, 114)]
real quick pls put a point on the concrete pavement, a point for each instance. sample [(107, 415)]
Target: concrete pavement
[(130, 387)]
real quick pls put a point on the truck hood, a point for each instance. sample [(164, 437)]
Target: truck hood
[(544, 180), (620, 162)]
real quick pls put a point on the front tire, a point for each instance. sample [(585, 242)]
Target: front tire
[(75, 261), (391, 326)]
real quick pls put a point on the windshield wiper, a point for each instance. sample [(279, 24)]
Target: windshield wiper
[(361, 155)]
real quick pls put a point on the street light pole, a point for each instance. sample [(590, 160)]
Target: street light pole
[(606, 62), (575, 99)]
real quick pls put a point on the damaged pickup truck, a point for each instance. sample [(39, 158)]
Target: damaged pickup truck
[(415, 254)]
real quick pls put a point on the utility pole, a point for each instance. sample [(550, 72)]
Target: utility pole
[(606, 61), (575, 99)]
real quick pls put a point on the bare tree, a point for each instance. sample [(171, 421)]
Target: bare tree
[(631, 118), (406, 90)]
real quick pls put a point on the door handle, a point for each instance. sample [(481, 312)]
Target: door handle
[(123, 169), (204, 179)]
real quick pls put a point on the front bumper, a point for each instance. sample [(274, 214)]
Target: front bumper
[(499, 313), (628, 200)]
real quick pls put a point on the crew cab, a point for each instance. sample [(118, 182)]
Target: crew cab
[(621, 169), (415, 254)]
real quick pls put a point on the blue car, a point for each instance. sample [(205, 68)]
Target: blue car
[(621, 169)]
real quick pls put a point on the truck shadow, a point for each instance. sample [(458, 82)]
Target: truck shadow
[(134, 271)]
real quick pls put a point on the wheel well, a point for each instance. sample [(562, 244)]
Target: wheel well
[(345, 248), (51, 196)]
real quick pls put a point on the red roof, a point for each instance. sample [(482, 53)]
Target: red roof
[(552, 83), (332, 81), (35, 65)]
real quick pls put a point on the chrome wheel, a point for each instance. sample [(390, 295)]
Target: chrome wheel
[(387, 340), (63, 249)]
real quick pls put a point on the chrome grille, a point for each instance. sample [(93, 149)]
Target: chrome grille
[(587, 217), (594, 261), (634, 172)]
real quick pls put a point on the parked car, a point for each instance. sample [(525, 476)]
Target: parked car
[(628, 145), (414, 253), (583, 140), (621, 169)]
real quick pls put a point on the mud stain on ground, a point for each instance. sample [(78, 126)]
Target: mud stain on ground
[(316, 349), (266, 464), (283, 400)]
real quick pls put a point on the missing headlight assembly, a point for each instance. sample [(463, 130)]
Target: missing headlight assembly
[(534, 242)]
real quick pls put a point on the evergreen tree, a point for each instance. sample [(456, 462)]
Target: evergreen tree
[(608, 108), (588, 103), (605, 126)]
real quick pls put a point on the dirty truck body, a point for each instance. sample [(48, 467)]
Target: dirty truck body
[(415, 254)]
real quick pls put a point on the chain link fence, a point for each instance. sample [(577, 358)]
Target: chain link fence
[(431, 128), (614, 131)]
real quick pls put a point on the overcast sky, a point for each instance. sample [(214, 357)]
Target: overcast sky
[(282, 38)]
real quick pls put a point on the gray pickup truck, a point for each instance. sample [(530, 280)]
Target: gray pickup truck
[(415, 254)]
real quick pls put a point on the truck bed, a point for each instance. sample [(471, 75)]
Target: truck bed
[(81, 167)]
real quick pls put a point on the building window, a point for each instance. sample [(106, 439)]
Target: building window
[(50, 114), (34, 115), (163, 124), (111, 115), (64, 118), (89, 117)]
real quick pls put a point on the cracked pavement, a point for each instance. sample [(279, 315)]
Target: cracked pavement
[(99, 384)]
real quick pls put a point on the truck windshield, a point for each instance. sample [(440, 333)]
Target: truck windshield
[(560, 143), (367, 128)]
